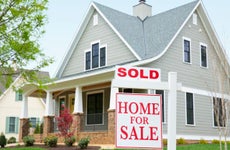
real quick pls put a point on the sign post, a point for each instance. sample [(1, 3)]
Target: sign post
[(138, 121)]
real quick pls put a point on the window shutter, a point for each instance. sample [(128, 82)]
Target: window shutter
[(16, 124), (7, 124)]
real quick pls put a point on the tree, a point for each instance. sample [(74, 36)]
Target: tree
[(21, 26)]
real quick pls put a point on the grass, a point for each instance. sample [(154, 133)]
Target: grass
[(198, 147), (23, 148)]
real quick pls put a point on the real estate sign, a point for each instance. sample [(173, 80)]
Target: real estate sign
[(138, 120)]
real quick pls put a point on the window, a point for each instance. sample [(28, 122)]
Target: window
[(219, 112), (96, 57), (95, 108), (194, 19), (161, 92), (12, 124), (95, 20), (18, 96), (34, 121), (203, 56), (189, 109), (187, 51)]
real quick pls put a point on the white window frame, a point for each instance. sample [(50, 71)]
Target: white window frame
[(188, 39), (103, 103), (194, 108), (95, 19), (194, 18), (164, 122), (203, 44)]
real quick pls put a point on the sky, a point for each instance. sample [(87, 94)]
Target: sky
[(66, 16)]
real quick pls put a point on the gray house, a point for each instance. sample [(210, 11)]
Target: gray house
[(181, 40)]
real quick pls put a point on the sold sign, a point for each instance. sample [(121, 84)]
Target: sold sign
[(137, 73), (138, 120)]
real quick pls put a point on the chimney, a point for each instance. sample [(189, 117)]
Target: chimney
[(142, 10)]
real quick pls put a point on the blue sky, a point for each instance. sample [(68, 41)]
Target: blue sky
[(65, 17)]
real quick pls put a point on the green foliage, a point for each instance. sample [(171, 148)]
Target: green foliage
[(37, 129), (2, 140), (180, 141), (11, 140), (215, 141), (51, 141), (165, 141), (28, 140), (70, 141), (21, 26), (203, 141), (83, 143)]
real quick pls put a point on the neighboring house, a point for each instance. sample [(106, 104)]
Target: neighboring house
[(11, 108), (180, 40)]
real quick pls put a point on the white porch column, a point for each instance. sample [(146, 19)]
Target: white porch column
[(113, 91), (78, 106), (24, 113), (172, 100), (49, 104)]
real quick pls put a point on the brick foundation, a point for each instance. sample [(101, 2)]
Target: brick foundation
[(24, 128), (48, 125)]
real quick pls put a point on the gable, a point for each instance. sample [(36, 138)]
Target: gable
[(116, 51)]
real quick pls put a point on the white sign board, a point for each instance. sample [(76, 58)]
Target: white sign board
[(137, 73), (138, 120)]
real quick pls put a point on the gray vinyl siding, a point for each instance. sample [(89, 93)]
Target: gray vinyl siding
[(117, 51), (193, 76)]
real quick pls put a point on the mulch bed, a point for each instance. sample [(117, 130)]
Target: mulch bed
[(63, 147)]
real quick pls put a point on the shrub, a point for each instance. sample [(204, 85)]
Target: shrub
[(51, 141), (215, 141), (70, 141), (180, 141), (28, 140), (2, 140), (203, 141), (165, 142), (37, 129), (83, 143), (41, 128), (11, 140)]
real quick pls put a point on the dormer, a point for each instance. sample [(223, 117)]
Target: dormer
[(142, 10)]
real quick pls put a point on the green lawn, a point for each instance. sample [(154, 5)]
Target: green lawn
[(199, 147), (23, 148)]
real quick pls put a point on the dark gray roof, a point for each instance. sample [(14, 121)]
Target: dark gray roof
[(148, 38)]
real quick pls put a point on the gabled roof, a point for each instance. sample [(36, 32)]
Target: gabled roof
[(147, 39)]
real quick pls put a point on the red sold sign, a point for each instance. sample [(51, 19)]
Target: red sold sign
[(138, 120), (137, 73)]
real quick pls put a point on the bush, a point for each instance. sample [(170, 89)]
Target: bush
[(11, 140), (2, 140), (203, 141), (37, 129), (83, 143), (165, 142), (180, 141), (215, 141), (51, 141), (70, 141), (28, 140)]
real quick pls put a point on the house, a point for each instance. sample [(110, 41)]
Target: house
[(181, 40), (11, 106)]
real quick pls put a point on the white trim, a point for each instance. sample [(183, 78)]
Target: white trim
[(195, 137), (119, 35), (103, 95), (95, 19), (190, 50), (203, 44), (194, 120), (194, 18)]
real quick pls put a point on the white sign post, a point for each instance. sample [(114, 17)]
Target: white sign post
[(138, 121), (145, 78)]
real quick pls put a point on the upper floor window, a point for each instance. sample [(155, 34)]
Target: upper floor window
[(161, 92), (18, 95), (187, 50), (96, 57), (203, 55), (95, 20)]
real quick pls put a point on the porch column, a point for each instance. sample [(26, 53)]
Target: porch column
[(113, 91), (78, 107), (78, 110), (24, 120), (49, 115)]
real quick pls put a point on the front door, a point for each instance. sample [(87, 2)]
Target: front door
[(71, 102)]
